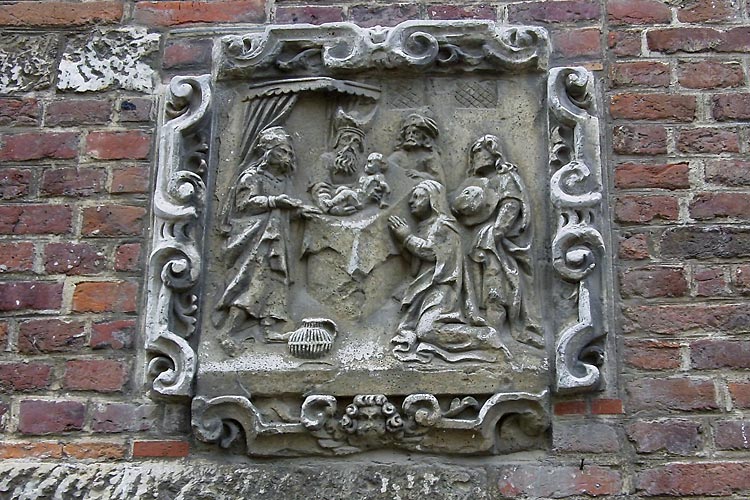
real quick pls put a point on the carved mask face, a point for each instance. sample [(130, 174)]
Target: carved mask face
[(482, 162), (419, 203), (414, 137), (371, 420)]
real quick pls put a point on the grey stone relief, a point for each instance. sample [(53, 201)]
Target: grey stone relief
[(26, 61), (367, 267)]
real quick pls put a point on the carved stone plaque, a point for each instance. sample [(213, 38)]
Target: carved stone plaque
[(378, 238)]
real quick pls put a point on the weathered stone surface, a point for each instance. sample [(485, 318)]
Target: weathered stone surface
[(26, 62), (108, 59)]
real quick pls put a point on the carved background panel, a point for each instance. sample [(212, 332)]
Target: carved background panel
[(371, 238)]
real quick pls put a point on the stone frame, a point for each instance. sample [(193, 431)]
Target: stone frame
[(578, 251)]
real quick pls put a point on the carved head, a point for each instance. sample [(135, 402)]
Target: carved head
[(485, 156), (418, 131), (349, 148), (427, 198), (375, 164), (371, 414), (274, 147)]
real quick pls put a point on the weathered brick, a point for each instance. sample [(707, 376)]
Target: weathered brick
[(676, 436), (735, 40), (386, 15), (123, 417), (50, 335), (589, 436), (634, 247), (710, 74), (101, 375), (19, 111), (105, 296), (652, 354), (676, 319), (662, 107), (700, 11), (448, 11), (661, 176), (44, 450), (38, 146), (688, 479), (94, 450), (624, 43), (24, 377), (646, 208), (59, 14), (707, 206), (35, 219), (550, 481), (651, 394), (73, 181), (74, 112), (740, 392), (642, 73), (128, 257), (708, 140), (711, 354), (179, 53), (638, 12), (14, 183), (311, 14), (731, 107), (136, 109), (174, 13), (607, 407), (3, 335), (50, 417), (732, 434), (160, 449), (73, 258), (710, 282), (741, 279), (653, 281), (117, 334), (639, 139), (130, 180), (37, 295), (577, 43), (733, 173), (694, 39), (119, 145), (564, 11), (113, 220), (577, 407), (705, 242)]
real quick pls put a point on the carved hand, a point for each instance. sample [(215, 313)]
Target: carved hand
[(308, 211), (399, 227), (285, 201), (345, 210)]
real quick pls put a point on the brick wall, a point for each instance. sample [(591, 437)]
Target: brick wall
[(75, 170)]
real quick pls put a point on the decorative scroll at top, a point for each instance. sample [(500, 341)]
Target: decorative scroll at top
[(412, 45)]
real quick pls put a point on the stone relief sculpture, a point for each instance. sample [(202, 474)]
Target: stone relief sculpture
[(335, 271)]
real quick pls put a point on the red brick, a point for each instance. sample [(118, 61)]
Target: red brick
[(38, 146), (37, 295), (35, 219), (122, 145), (36, 449), (14, 183), (606, 407), (676, 319), (101, 375), (160, 449), (563, 11), (24, 377), (98, 451), (310, 14), (735, 40), (73, 259), (50, 335), (387, 15), (711, 354), (660, 176), (625, 43), (708, 140), (690, 242), (641, 73), (123, 417), (651, 394), (105, 296), (675, 436), (639, 140), (75, 112), (128, 257), (710, 282), (585, 437), (73, 181), (136, 109), (652, 354), (130, 180), (671, 40), (181, 53), (3, 335), (634, 247), (741, 279), (575, 43), (19, 111), (113, 334), (653, 281), (701, 11), (732, 435), (555, 481), (174, 13), (59, 14), (113, 220), (447, 11), (50, 417), (638, 12), (731, 107), (645, 208), (706, 206), (733, 173), (740, 392), (660, 107), (710, 74), (570, 408), (688, 479)]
